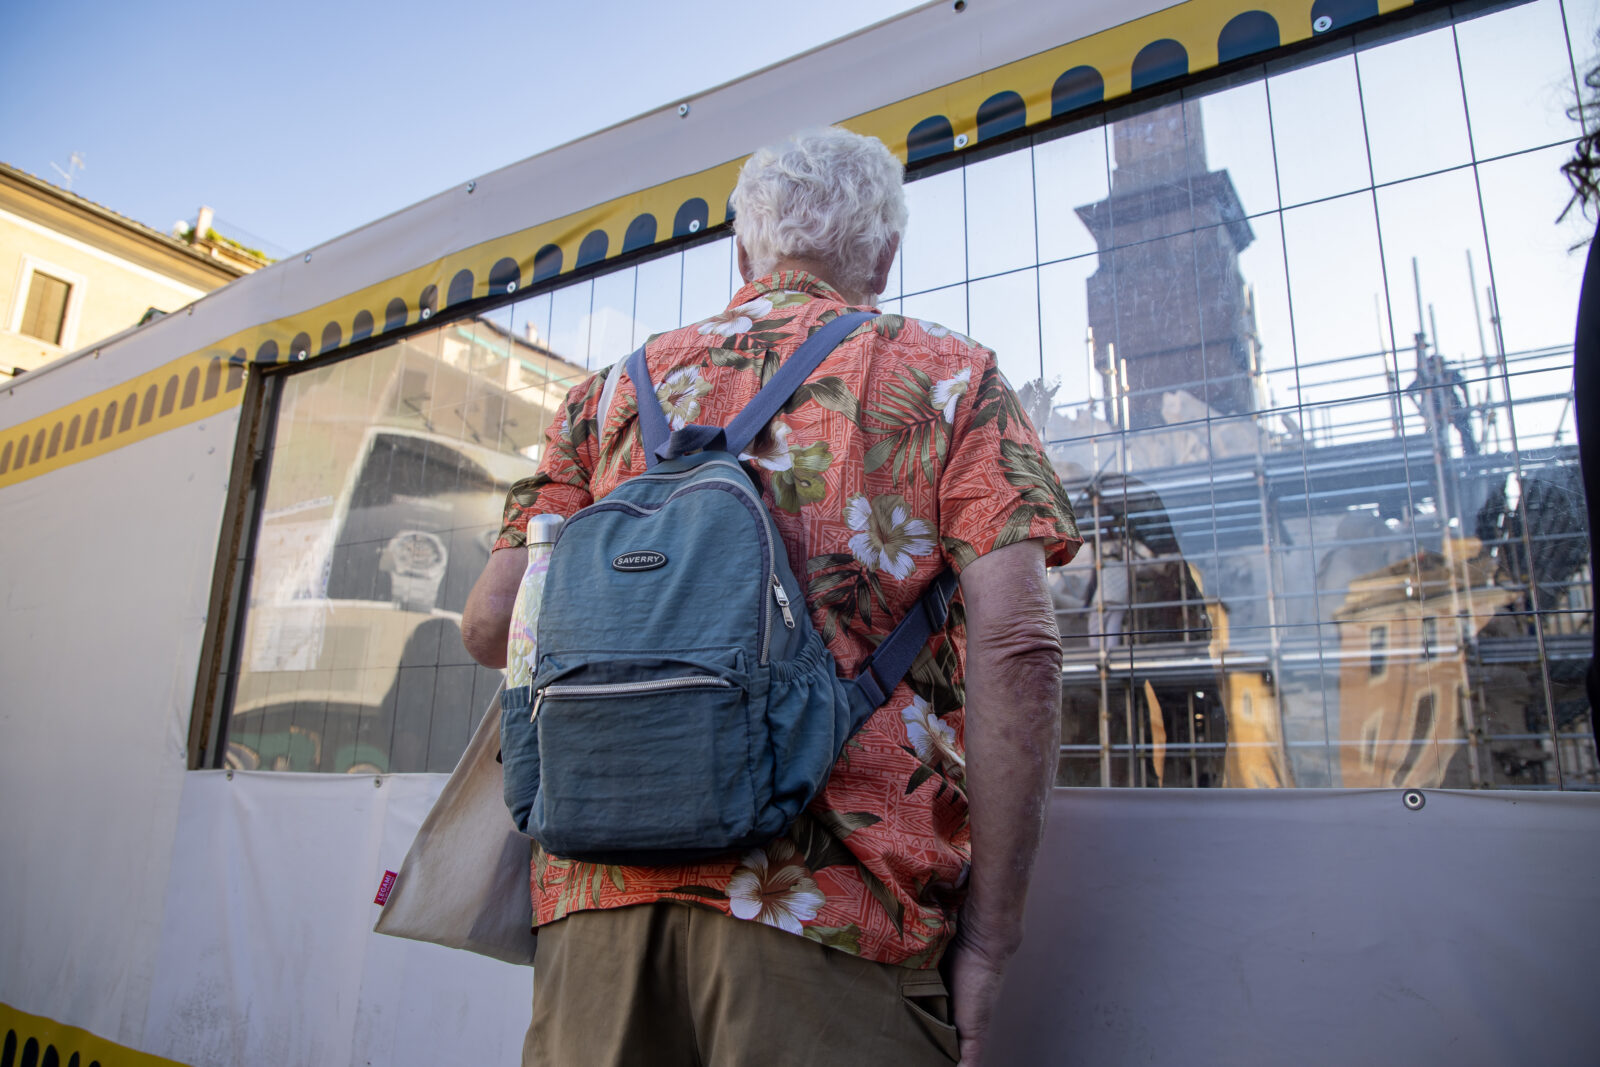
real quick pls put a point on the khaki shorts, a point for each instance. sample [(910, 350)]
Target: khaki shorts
[(664, 985)]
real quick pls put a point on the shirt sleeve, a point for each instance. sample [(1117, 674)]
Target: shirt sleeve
[(999, 487), (561, 484)]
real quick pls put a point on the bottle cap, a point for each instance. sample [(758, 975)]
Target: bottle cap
[(544, 529)]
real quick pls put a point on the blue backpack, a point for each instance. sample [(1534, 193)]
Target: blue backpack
[(683, 706)]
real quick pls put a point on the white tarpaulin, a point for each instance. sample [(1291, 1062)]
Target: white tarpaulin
[(267, 952)]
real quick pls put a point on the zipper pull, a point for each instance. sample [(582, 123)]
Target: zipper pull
[(783, 602), (538, 698)]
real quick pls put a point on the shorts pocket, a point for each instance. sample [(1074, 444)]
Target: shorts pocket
[(924, 995)]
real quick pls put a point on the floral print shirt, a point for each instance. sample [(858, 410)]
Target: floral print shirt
[(906, 452)]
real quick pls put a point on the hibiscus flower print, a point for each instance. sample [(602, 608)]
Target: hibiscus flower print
[(736, 319), (887, 537), (803, 481), (933, 740), (948, 393), (774, 887), (680, 396), (770, 449)]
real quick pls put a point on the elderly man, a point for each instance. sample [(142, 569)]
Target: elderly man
[(907, 453)]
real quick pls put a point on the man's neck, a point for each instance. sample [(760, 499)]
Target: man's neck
[(825, 273)]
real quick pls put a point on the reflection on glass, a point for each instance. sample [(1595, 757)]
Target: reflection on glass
[(569, 322), (934, 252), (388, 474), (1000, 229), (942, 307), (1238, 141), (1004, 316), (1411, 95), (611, 328), (1514, 65), (1066, 346), (657, 297), (710, 279), (1334, 531), (1537, 271), (1317, 131), (1069, 171)]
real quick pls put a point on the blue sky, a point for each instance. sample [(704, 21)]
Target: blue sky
[(298, 121)]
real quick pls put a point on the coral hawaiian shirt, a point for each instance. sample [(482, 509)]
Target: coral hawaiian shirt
[(906, 452)]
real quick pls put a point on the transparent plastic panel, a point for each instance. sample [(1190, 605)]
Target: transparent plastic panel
[(709, 279), (1004, 316), (658, 298), (1537, 266), (1081, 405), (934, 252), (1411, 97), (1000, 224), (1237, 126), (1318, 132), (1072, 173), (612, 326), (1157, 156), (941, 307), (1518, 78), (1341, 322)]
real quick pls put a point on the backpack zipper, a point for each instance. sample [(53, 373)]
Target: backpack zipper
[(618, 689), (783, 602)]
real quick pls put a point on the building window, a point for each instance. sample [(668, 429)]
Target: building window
[(1378, 658), (1421, 733), (44, 315), (1430, 636), (45, 303)]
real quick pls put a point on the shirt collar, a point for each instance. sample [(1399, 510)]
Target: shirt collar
[(787, 281)]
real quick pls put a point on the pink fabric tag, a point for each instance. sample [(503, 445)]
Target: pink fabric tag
[(384, 887)]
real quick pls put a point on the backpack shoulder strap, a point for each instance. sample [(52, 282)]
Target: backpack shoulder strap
[(892, 659), (790, 376)]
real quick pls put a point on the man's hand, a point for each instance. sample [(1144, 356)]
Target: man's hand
[(1012, 733), (974, 978), (486, 620)]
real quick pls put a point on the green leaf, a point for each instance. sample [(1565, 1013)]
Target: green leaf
[(845, 823), (918, 776), (881, 894), (818, 846), (846, 938), (831, 559), (879, 453), (616, 876)]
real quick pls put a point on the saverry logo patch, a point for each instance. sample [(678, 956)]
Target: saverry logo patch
[(639, 561)]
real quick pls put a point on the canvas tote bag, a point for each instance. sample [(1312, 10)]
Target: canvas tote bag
[(464, 882)]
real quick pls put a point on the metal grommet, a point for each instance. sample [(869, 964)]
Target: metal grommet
[(683, 111), (511, 287), (230, 774), (471, 186), (961, 140), (299, 355), (960, 6), (427, 313), (377, 783), (694, 225), (1413, 799), (308, 257), (1322, 24)]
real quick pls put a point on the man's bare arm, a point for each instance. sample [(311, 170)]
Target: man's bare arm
[(1012, 733), (486, 620)]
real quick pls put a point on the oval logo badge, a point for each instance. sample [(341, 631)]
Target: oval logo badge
[(639, 561)]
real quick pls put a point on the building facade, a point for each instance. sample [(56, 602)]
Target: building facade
[(73, 272)]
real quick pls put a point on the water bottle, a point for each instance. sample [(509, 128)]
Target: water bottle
[(522, 646)]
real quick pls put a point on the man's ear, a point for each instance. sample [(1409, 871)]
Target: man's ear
[(885, 263), (744, 261)]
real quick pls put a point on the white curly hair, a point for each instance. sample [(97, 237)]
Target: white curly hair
[(827, 195)]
